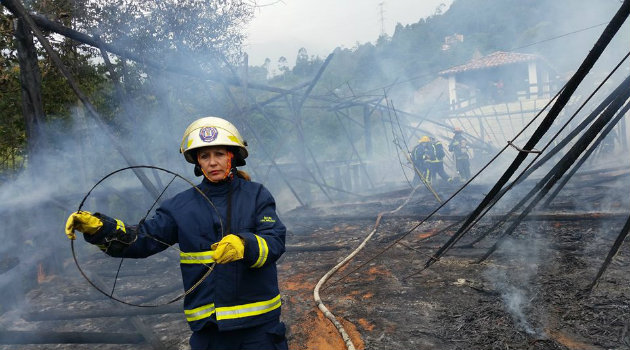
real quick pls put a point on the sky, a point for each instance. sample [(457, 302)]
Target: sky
[(282, 27)]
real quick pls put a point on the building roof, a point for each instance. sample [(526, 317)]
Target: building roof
[(494, 59)]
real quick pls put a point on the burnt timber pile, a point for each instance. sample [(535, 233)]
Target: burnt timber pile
[(527, 296)]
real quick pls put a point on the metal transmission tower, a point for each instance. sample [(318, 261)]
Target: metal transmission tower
[(381, 14)]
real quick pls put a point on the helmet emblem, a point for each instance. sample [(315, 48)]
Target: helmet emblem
[(208, 133)]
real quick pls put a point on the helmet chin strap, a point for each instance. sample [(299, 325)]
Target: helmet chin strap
[(228, 171)]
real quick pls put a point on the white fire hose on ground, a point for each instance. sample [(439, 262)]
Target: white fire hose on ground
[(318, 300)]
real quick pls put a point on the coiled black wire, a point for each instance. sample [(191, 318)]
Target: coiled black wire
[(175, 175)]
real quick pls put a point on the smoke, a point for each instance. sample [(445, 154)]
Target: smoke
[(35, 205), (514, 299), (78, 153), (514, 281)]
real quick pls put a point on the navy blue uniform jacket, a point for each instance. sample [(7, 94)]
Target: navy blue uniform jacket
[(235, 295)]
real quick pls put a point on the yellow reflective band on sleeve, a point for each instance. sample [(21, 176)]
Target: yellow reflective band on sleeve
[(246, 310), (196, 257), (120, 226), (263, 252), (199, 313)]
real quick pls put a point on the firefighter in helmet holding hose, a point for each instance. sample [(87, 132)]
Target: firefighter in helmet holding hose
[(238, 305), (428, 158)]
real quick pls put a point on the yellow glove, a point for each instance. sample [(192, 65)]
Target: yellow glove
[(82, 221), (228, 249)]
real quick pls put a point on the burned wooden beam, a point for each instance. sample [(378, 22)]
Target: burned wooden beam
[(18, 10), (611, 254), (41, 337), (51, 315), (620, 114), (146, 332), (561, 167), (7, 263), (314, 81), (354, 149), (320, 248), (549, 154), (31, 83), (563, 98), (541, 216), (58, 28)]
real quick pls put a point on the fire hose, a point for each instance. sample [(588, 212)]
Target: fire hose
[(320, 283)]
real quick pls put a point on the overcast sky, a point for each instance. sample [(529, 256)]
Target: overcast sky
[(320, 26)]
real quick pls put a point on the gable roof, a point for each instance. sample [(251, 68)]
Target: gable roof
[(498, 58)]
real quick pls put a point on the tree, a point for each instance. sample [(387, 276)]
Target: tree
[(302, 63), (199, 34), (24, 118), (172, 30), (283, 66)]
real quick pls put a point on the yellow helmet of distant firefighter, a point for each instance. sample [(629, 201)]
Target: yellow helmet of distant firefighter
[(424, 139), (213, 131)]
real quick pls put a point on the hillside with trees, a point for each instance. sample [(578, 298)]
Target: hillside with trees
[(128, 91), (553, 29)]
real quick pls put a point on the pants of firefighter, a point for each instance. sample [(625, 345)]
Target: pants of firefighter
[(463, 167), (435, 169), (423, 169), (268, 336)]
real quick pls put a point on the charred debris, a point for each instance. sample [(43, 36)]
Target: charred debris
[(515, 263)]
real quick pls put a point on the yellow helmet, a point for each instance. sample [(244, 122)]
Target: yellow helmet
[(213, 131), (424, 139)]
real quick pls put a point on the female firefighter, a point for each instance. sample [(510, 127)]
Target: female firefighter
[(238, 305)]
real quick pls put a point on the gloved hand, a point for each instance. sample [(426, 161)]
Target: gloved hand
[(82, 221), (228, 249)]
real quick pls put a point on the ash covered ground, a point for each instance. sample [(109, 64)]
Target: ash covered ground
[(527, 295)]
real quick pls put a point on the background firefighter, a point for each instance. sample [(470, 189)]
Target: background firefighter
[(437, 166), (459, 147), (428, 158), (419, 156), (238, 305)]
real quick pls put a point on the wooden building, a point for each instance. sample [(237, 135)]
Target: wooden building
[(493, 97)]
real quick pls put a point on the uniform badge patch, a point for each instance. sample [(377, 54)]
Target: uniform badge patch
[(208, 133)]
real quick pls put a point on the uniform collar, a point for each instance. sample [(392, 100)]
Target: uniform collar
[(218, 188)]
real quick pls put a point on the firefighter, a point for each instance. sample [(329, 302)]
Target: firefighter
[(459, 147), (438, 164), (428, 158), (238, 305), (419, 157)]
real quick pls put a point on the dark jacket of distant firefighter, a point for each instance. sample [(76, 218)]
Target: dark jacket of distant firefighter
[(459, 147), (428, 152), (237, 295), (428, 158)]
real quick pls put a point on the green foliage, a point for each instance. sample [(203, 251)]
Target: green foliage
[(12, 135), (205, 36)]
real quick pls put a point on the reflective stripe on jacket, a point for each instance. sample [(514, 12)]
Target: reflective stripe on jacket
[(233, 312), (235, 295)]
